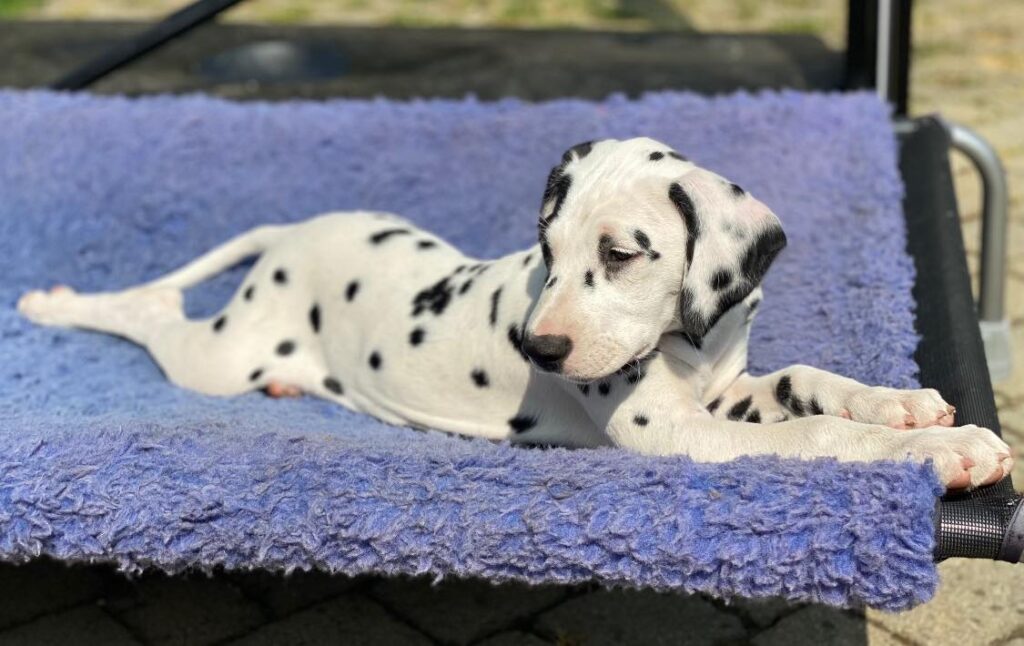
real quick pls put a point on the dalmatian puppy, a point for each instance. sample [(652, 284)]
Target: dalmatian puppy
[(627, 325)]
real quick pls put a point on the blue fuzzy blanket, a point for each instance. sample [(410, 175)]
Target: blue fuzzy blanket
[(102, 460)]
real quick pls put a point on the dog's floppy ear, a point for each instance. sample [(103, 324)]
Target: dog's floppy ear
[(731, 240)]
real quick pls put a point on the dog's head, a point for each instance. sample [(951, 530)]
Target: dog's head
[(638, 242)]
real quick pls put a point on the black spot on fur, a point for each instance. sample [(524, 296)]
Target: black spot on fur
[(642, 239), (604, 388), (480, 378), (527, 259), (674, 155), (739, 409), (285, 348), (588, 278), (686, 209), (551, 282), (460, 269), (495, 299), (218, 325), (435, 298), (640, 420), (754, 417), (815, 407), (713, 406), (737, 190), (351, 290), (692, 320), (280, 276), (381, 236), (375, 360), (655, 156), (314, 317), (635, 376), (333, 385), (522, 423), (426, 244), (584, 388), (721, 280), (255, 374), (465, 286), (796, 405), (249, 291), (416, 336), (783, 389)]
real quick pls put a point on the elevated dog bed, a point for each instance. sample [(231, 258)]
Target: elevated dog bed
[(102, 460)]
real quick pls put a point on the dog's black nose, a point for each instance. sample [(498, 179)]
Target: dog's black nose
[(547, 350)]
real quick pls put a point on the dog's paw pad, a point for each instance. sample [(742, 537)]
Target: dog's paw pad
[(277, 390)]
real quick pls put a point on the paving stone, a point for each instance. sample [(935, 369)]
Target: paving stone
[(978, 602), (44, 586), (514, 638), (82, 626), (283, 594), (192, 610), (815, 625), (764, 612), (459, 611), (609, 617), (350, 619)]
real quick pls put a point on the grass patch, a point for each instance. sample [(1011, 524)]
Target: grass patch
[(15, 8)]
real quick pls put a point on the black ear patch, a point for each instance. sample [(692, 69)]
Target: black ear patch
[(581, 150), (685, 207), (762, 252), (557, 188)]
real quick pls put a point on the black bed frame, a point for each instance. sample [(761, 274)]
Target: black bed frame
[(983, 524)]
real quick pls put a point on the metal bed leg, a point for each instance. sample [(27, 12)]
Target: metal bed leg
[(995, 326)]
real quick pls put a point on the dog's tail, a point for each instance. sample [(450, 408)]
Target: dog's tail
[(251, 243)]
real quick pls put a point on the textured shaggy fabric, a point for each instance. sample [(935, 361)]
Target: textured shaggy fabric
[(101, 459)]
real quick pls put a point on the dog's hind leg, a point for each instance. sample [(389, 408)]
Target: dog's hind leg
[(190, 353)]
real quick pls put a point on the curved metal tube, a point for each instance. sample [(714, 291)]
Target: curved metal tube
[(994, 218)]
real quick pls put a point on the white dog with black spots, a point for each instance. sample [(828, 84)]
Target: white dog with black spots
[(627, 325)]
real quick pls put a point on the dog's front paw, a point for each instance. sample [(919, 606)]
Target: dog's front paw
[(901, 409), (46, 307), (964, 457)]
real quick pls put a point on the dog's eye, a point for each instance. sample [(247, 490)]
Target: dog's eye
[(621, 255)]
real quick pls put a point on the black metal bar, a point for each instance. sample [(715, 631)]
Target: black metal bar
[(899, 55), (861, 44), (862, 40), (951, 354), (174, 25)]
